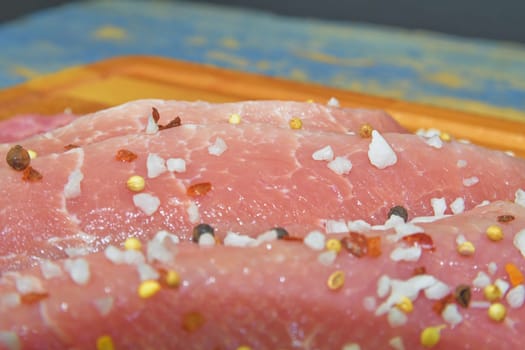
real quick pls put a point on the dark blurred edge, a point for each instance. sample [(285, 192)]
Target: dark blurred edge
[(500, 20)]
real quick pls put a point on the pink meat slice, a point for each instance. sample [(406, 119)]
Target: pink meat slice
[(23, 126), (132, 117), (276, 296), (266, 177)]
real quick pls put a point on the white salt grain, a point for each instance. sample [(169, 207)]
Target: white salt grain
[(393, 221), (502, 285), (156, 251), (151, 127), (132, 257), (477, 304), (146, 272), (461, 163), (519, 197), (163, 234), (325, 153), (218, 147), (104, 305), (380, 154), (336, 226), (369, 303), (434, 141), (439, 205), (482, 280), (470, 181), (516, 296), (50, 269), (358, 226), (193, 212), (333, 102), (492, 267), (340, 165), (327, 258), (268, 236), (451, 315), (315, 240), (406, 253), (519, 241), (383, 286), (237, 240), (155, 165), (78, 270), (396, 343), (146, 202), (177, 165), (460, 239), (351, 346), (457, 206), (396, 317), (72, 187), (114, 254), (28, 284), (206, 240), (437, 291)]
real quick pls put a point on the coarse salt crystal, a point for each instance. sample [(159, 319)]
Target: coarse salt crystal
[(147, 272), (72, 187), (10, 340), (237, 240), (146, 202), (457, 206), (404, 229), (151, 127), (434, 141), (461, 163), (133, 257), (393, 221), (482, 280), (516, 296), (510, 153), (114, 254), (268, 236), (340, 165), (439, 205), (104, 305), (451, 315), (369, 303), (396, 343), (396, 317), (78, 270), (383, 286), (336, 226), (470, 181), (163, 234), (519, 241), (502, 285), (206, 240), (519, 197), (315, 240), (479, 304), (50, 269), (427, 219), (327, 258), (193, 212), (380, 154), (358, 226), (28, 284), (437, 291), (483, 203), (325, 153), (427, 133), (492, 267), (218, 147), (460, 239), (155, 165), (156, 251), (406, 253), (333, 102), (176, 164), (351, 346)]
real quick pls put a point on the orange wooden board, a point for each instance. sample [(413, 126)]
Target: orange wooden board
[(110, 82)]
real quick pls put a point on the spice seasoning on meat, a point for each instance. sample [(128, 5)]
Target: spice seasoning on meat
[(33, 297), (420, 270), (333, 244), (462, 294), (336, 280), (497, 312), (31, 175), (505, 218), (125, 155), (18, 158), (374, 246), (70, 146), (515, 275), (192, 321), (356, 244), (365, 131), (155, 114), (201, 229), (420, 239), (430, 336), (136, 183), (295, 123), (148, 288), (466, 248), (198, 189), (440, 305), (105, 342), (492, 292), (494, 233), (399, 211), (172, 124)]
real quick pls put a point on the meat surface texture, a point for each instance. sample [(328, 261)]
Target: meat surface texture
[(345, 277), (24, 126)]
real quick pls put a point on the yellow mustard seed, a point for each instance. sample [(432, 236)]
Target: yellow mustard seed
[(466, 248), (310, 100), (336, 280), (365, 131), (405, 305), (333, 244), (296, 123), (492, 292), (431, 335), (244, 347), (497, 312), (136, 183), (32, 154), (148, 288), (172, 278), (445, 136), (132, 243), (234, 119), (494, 233), (105, 343)]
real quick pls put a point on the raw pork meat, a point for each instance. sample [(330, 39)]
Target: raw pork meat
[(24, 126)]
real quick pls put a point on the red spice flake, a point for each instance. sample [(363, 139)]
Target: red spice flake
[(70, 146), (199, 189), (31, 298), (124, 155), (505, 218), (192, 321), (291, 238), (155, 114), (172, 124), (421, 239), (374, 246), (31, 175), (420, 270), (440, 305), (356, 244), (18, 158), (462, 295), (515, 275)]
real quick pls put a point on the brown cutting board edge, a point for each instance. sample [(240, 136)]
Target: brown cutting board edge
[(88, 88)]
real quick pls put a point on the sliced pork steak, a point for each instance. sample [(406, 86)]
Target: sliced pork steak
[(280, 294)]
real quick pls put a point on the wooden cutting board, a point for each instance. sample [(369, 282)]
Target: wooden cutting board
[(110, 82)]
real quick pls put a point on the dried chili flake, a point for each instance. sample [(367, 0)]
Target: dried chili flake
[(365, 131), (291, 238), (199, 189), (505, 218), (515, 275), (18, 158), (192, 321), (172, 124), (125, 155), (31, 175), (420, 270), (462, 294), (70, 146), (421, 239), (374, 246), (356, 244), (31, 298), (155, 114), (440, 305)]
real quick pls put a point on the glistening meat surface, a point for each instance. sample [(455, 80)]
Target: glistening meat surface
[(277, 295), (265, 177)]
